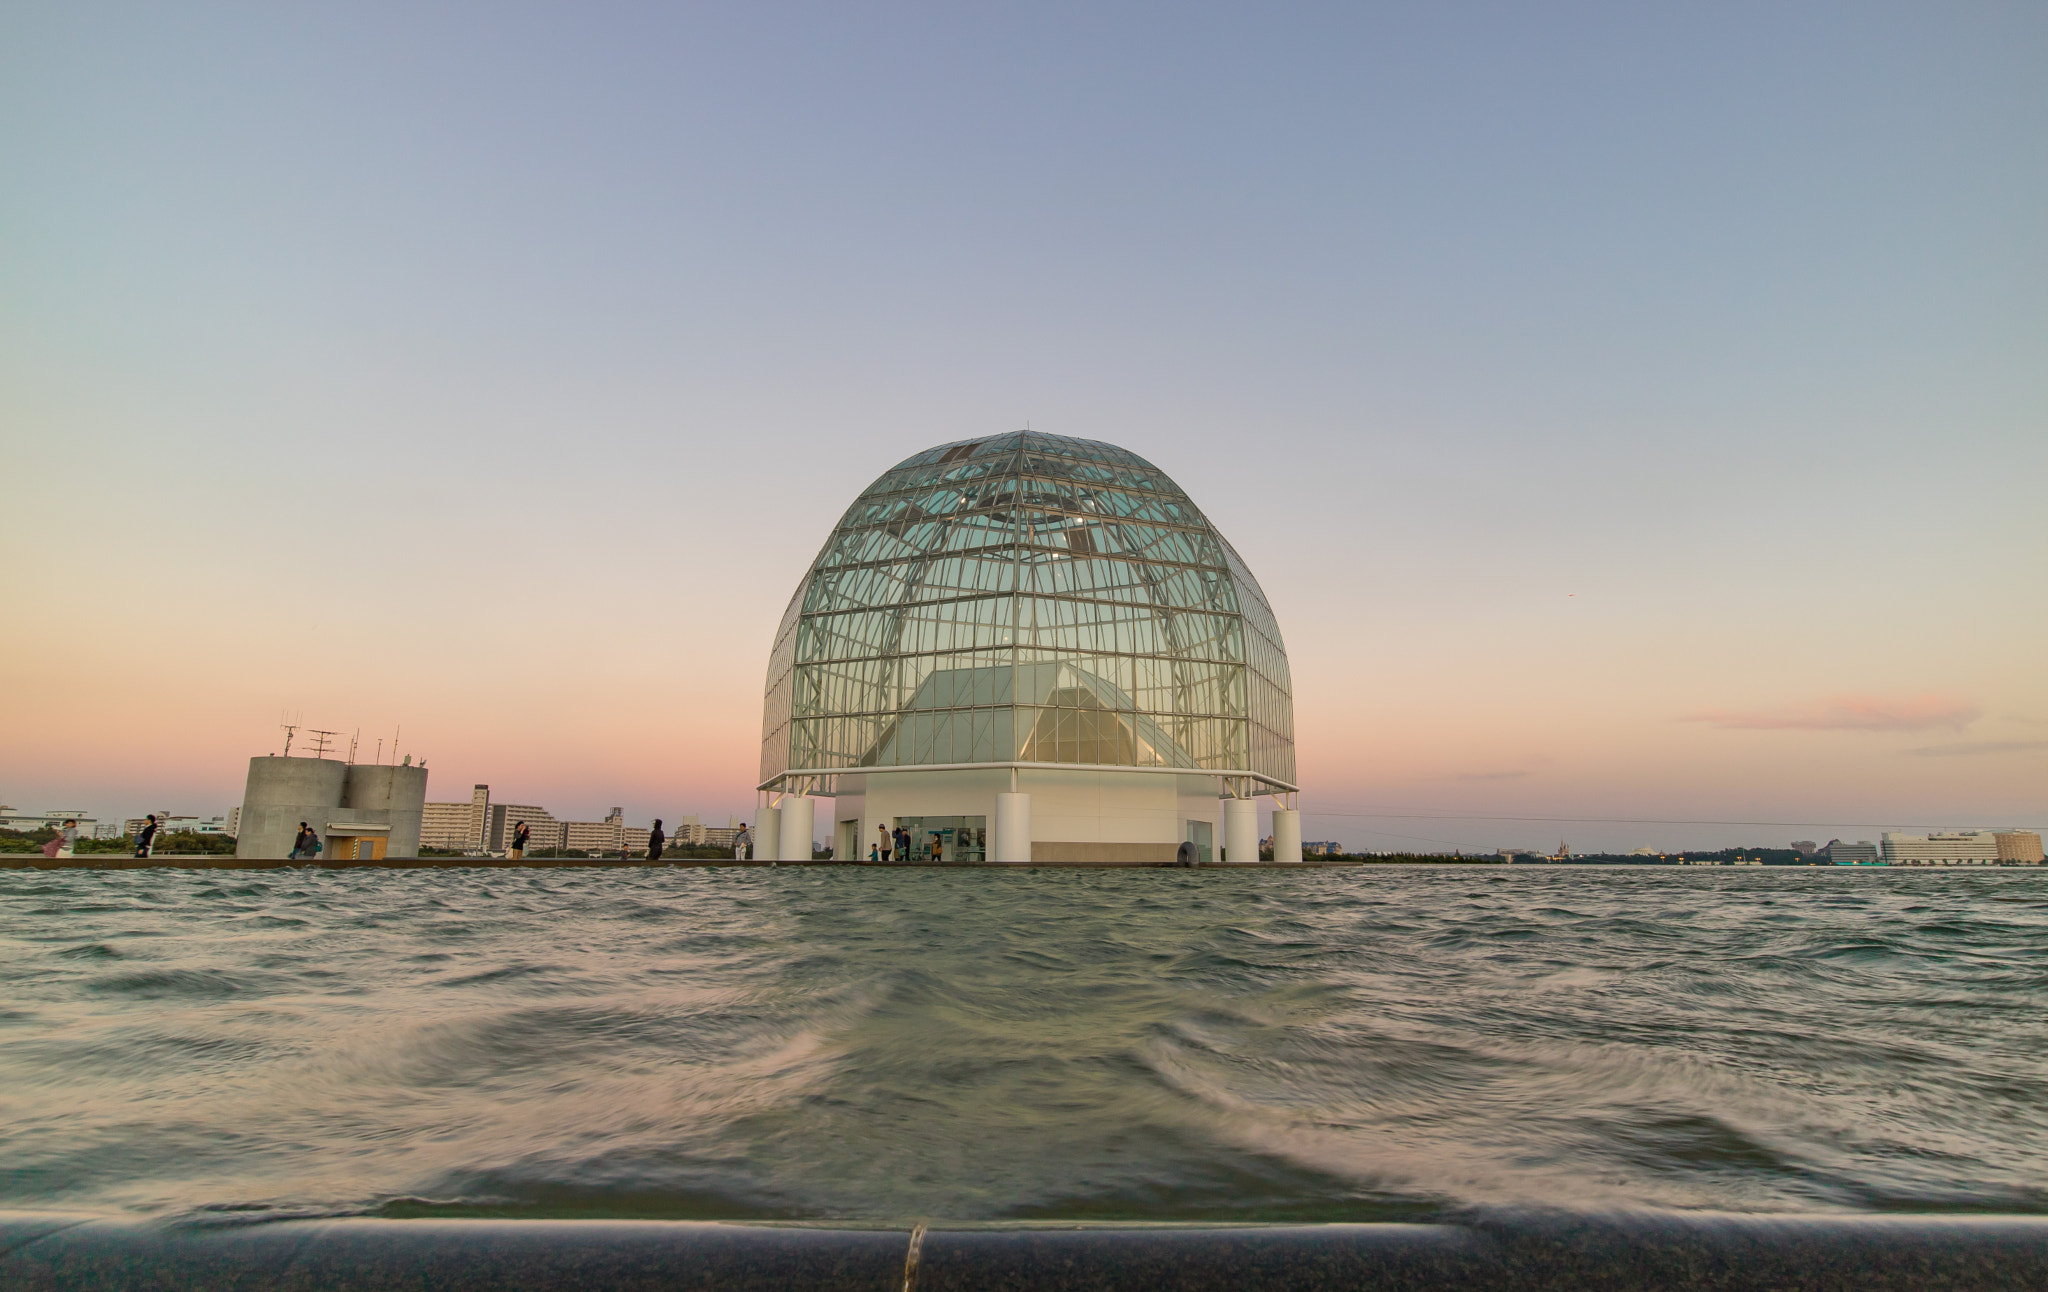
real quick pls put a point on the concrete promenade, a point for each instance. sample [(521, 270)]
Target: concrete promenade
[(36, 861)]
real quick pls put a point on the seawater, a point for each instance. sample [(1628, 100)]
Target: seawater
[(848, 1044)]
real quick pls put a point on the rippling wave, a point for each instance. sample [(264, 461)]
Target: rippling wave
[(825, 1043)]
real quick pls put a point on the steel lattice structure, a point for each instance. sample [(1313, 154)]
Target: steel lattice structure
[(1033, 600)]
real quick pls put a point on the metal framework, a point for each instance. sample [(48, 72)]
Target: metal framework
[(1028, 600)]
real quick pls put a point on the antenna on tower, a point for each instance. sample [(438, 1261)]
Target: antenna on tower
[(352, 745), (290, 730), (321, 740)]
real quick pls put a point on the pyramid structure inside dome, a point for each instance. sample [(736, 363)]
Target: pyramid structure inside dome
[(1028, 598)]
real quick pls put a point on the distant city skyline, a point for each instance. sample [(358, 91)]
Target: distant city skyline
[(1630, 414)]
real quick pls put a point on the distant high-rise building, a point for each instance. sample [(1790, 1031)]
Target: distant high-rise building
[(2019, 845), (1941, 848), (457, 827), (1863, 853), (542, 828), (445, 825), (168, 823), (1805, 847), (26, 821), (591, 836)]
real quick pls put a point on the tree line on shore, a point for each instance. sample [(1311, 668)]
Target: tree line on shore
[(166, 844)]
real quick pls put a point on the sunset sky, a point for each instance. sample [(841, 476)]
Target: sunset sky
[(1632, 412)]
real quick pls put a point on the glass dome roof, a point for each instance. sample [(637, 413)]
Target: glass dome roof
[(1027, 598)]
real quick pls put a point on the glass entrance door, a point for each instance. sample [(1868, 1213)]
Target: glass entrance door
[(947, 840)]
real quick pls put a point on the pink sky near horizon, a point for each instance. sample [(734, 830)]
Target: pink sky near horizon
[(1629, 413), (1584, 706)]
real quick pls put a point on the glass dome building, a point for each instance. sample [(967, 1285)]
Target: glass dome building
[(1028, 648)]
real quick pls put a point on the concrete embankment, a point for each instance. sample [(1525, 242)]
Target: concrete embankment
[(1530, 1253), (36, 861)]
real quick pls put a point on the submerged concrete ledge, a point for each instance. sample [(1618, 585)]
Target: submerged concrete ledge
[(36, 861), (1533, 1251)]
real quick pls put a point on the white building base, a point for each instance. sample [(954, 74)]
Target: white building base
[(1240, 831), (1286, 835), (1054, 816), (799, 815), (1011, 838)]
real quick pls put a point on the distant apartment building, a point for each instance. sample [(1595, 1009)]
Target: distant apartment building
[(1964, 848), (446, 825), (13, 819), (170, 823), (2022, 846), (717, 836), (543, 830), (595, 836), (1863, 853), (591, 836), (607, 836), (1941, 848), (458, 827)]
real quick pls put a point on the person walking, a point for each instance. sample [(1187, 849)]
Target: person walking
[(145, 838), (66, 837), (520, 836), (903, 844), (887, 845), (741, 842), (656, 841)]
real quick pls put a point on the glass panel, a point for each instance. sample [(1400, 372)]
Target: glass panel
[(946, 840)]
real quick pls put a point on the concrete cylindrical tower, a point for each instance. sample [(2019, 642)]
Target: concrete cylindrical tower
[(281, 792), (393, 796), (799, 814), (1240, 831), (1286, 834), (768, 834), (1013, 829)]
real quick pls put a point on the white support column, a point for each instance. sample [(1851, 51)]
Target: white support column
[(798, 815), (1240, 831), (1013, 829), (1286, 834), (766, 831)]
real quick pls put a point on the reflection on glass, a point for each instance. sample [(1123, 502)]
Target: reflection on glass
[(947, 840)]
